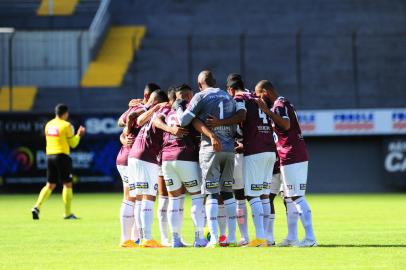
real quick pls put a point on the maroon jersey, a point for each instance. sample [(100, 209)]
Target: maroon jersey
[(290, 144), (122, 157), (256, 129), (134, 129), (148, 143), (180, 148)]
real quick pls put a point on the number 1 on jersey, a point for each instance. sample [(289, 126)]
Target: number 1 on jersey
[(221, 106)]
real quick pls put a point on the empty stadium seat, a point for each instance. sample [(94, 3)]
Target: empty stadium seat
[(23, 98), (116, 53), (58, 7)]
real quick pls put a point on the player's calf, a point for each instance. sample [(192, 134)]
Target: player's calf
[(242, 216), (305, 215)]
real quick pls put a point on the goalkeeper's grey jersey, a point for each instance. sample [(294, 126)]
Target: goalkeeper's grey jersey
[(215, 102)]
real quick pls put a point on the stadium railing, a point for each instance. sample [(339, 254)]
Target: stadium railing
[(99, 25)]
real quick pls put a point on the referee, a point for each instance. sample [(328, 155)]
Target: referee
[(60, 138)]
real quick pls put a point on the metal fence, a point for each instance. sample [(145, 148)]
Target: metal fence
[(44, 58)]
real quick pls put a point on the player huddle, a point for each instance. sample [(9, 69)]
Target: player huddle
[(222, 147)]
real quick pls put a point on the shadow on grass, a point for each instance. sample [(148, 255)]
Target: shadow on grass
[(364, 246)]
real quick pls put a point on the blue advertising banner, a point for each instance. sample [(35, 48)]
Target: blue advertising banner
[(22, 148)]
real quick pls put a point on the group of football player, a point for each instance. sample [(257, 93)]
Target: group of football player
[(223, 147)]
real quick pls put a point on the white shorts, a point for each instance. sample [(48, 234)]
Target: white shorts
[(142, 177), (180, 172), (257, 173), (160, 173), (276, 184), (294, 179), (268, 183), (238, 182), (122, 170)]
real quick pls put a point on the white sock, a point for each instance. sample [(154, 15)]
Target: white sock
[(134, 229), (126, 219), (137, 219), (292, 217), (147, 218), (266, 205), (197, 215), (205, 216), (269, 230), (212, 209), (231, 211), (305, 217), (222, 219), (174, 216), (258, 217), (163, 217), (242, 219), (181, 212)]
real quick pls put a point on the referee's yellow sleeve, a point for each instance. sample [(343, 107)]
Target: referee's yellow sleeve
[(73, 140)]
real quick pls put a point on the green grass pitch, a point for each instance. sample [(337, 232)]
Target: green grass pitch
[(353, 231)]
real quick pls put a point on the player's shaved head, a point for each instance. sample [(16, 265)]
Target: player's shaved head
[(206, 79), (264, 85), (266, 90)]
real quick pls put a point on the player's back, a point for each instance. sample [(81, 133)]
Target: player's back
[(290, 143), (179, 148), (257, 131), (134, 128), (148, 143), (216, 102), (57, 132)]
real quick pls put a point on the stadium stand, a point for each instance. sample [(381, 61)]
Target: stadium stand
[(117, 51), (57, 7), (22, 99), (341, 53), (22, 14)]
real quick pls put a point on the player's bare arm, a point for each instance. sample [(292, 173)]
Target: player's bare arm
[(237, 118), (146, 116), (176, 131), (202, 128), (134, 102), (283, 123), (121, 122), (130, 119), (184, 115), (123, 139), (239, 148)]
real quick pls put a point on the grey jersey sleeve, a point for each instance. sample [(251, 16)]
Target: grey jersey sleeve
[(186, 117)]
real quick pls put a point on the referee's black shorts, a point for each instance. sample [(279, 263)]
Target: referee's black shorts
[(59, 168)]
